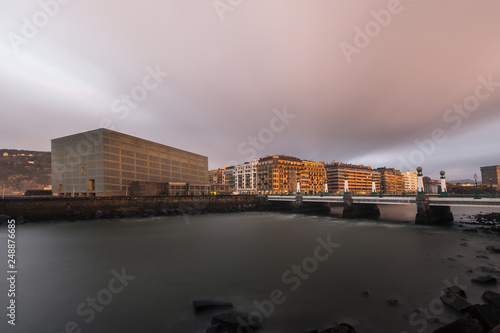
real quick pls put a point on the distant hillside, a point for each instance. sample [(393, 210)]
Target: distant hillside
[(22, 170), (464, 181)]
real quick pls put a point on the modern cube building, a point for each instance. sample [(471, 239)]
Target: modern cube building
[(103, 162), (491, 175)]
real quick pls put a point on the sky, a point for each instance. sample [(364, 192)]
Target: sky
[(382, 83)]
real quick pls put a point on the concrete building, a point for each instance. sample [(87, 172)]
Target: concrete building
[(278, 174), (229, 176), (145, 188), (216, 176), (410, 183), (312, 177), (246, 177), (490, 175), (391, 180), (103, 162), (358, 176)]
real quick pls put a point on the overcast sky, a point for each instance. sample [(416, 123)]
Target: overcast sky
[(383, 83)]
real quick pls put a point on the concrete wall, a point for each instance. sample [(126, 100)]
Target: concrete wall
[(51, 208)]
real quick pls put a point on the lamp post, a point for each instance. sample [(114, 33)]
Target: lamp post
[(475, 178)]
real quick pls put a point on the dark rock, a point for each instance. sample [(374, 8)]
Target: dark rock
[(365, 293), (470, 230), (4, 218), (236, 321), (482, 256), (204, 304), (464, 244), (461, 326), (215, 329), (20, 220), (493, 249), (393, 302), (455, 302), (484, 280), (487, 314), (488, 269), (98, 214), (456, 290), (489, 295), (496, 329), (342, 328)]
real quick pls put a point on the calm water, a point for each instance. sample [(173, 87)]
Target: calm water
[(242, 258)]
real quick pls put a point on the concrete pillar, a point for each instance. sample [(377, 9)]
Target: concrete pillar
[(346, 184), (420, 182), (326, 186), (298, 186), (431, 215), (353, 210), (443, 183)]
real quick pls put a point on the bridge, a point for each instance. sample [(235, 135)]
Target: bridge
[(431, 209)]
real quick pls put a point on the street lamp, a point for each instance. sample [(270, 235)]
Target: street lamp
[(475, 177)]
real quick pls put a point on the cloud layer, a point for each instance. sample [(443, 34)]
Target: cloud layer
[(412, 63)]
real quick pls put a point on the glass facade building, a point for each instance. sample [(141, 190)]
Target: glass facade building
[(103, 162)]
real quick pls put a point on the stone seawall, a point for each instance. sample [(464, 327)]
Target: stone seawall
[(51, 208)]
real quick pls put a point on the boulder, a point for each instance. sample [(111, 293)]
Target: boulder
[(98, 214), (232, 322), (393, 302), (461, 326), (204, 304), (456, 302), (456, 290), (488, 295), (4, 219), (496, 329), (484, 280), (487, 314)]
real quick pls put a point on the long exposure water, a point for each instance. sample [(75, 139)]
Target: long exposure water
[(142, 274)]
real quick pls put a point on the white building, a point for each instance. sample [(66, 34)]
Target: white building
[(410, 182), (245, 179)]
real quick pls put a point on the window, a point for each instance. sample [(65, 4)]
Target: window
[(91, 185), (82, 170), (59, 188)]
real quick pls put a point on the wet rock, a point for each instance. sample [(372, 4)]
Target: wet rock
[(4, 219), (205, 304), (484, 280), (488, 269), (493, 249), (482, 256), (456, 302), (487, 314), (215, 329), (98, 214), (342, 328), (492, 297), (455, 290), (392, 302), (461, 326), (232, 322)]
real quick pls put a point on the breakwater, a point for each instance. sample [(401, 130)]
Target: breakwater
[(50, 208)]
